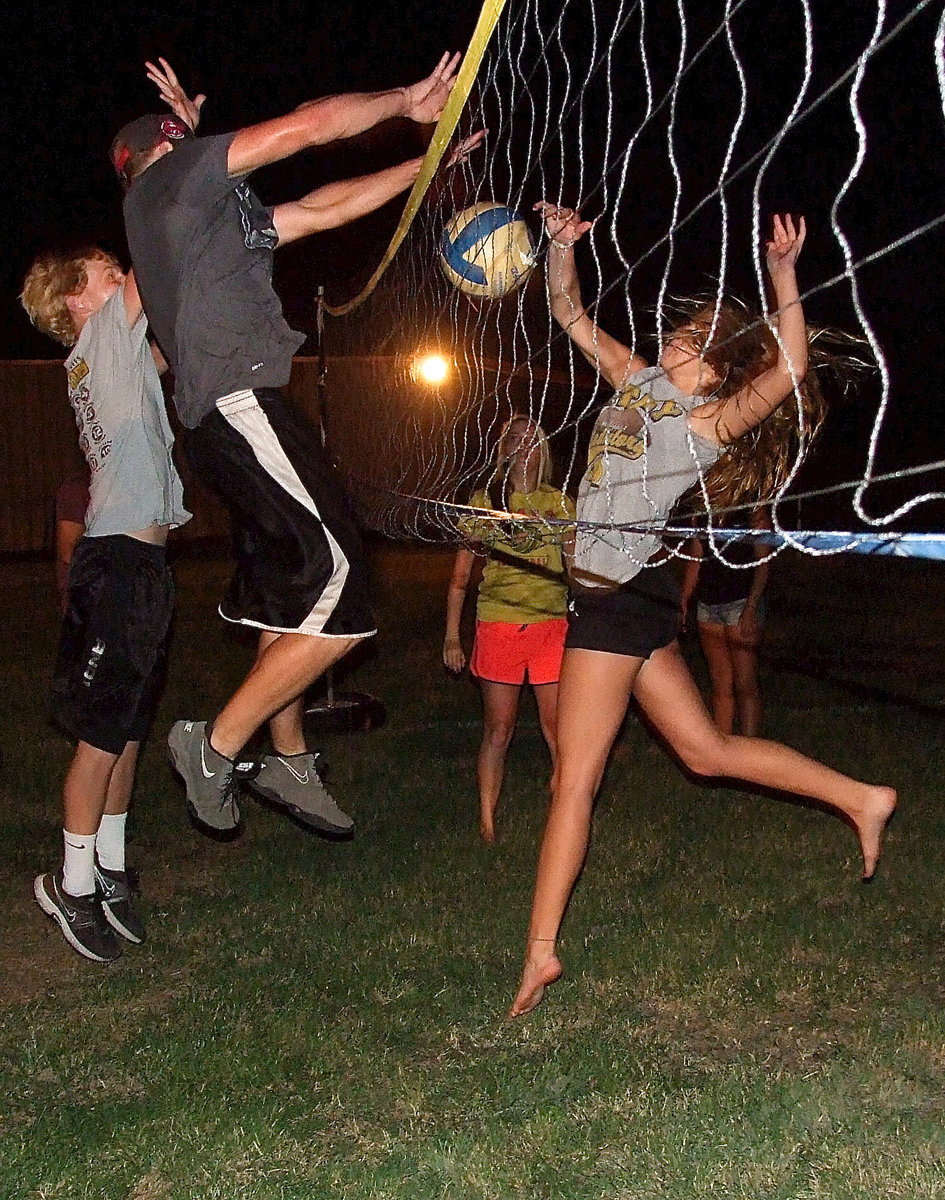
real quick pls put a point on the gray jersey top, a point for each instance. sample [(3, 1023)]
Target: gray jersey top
[(201, 244), (123, 429), (642, 457)]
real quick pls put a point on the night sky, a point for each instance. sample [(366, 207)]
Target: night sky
[(73, 79)]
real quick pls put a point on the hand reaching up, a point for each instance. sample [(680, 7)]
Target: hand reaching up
[(784, 245), (424, 101), (173, 94), (563, 225)]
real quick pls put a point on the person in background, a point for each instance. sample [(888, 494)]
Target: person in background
[(730, 616), (72, 501), (520, 608)]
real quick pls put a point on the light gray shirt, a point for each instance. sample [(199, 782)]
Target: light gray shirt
[(642, 457), (124, 433)]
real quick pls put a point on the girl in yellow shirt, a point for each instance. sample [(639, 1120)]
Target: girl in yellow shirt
[(521, 604)]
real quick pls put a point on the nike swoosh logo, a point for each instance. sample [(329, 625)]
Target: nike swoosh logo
[(70, 913), (106, 886), (207, 773), (302, 778)]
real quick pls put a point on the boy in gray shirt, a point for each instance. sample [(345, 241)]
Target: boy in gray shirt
[(120, 595)]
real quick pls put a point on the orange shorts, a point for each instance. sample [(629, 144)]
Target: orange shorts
[(506, 653)]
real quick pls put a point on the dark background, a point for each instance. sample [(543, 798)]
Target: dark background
[(75, 74)]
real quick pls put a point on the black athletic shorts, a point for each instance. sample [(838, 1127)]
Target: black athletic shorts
[(634, 619), (300, 566), (114, 635)]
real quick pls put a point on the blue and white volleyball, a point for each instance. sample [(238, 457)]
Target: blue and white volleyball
[(486, 250)]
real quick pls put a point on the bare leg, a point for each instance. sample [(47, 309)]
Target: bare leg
[(86, 787), (118, 798), (546, 697), (287, 663), (715, 647), (285, 726), (593, 694), (744, 659), (499, 713), (669, 697)]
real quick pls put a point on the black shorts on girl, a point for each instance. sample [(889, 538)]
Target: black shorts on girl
[(634, 619), (112, 647), (300, 565)]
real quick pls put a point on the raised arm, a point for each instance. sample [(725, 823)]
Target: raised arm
[(723, 421), (320, 121), (606, 355), (338, 203), (133, 306)]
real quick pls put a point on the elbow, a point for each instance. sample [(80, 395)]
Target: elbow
[(321, 121), (793, 367)]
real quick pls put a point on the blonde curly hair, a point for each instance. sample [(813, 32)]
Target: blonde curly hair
[(52, 278)]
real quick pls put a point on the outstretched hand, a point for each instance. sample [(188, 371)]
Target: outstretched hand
[(174, 95), (462, 150), (784, 245), (563, 225), (424, 101)]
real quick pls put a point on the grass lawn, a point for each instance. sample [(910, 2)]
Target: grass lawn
[(738, 1018)]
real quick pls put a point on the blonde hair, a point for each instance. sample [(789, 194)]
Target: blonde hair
[(52, 278), (497, 486), (754, 466)]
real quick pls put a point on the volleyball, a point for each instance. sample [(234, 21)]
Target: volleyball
[(486, 250)]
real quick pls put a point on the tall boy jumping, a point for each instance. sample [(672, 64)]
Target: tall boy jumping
[(201, 244)]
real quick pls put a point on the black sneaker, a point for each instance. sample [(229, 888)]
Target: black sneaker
[(114, 889), (80, 918)]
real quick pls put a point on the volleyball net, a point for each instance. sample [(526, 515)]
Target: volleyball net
[(679, 128)]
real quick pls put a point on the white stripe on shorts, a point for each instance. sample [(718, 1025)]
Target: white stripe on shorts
[(242, 410)]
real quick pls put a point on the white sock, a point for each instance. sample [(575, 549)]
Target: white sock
[(78, 864), (110, 842)]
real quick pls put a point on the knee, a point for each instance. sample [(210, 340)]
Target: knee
[(498, 734), (708, 755)]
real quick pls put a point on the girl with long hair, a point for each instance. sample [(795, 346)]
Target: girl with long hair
[(721, 397)]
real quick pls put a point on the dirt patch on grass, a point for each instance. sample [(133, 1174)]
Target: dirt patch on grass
[(794, 1036)]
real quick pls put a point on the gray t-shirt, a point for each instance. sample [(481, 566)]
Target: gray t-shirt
[(642, 457), (201, 244), (124, 434)]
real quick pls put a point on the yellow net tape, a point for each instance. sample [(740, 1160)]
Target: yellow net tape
[(488, 18)]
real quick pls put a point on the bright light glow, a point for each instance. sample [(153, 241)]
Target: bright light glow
[(433, 368)]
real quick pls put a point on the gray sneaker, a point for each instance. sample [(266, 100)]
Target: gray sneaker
[(292, 783), (209, 777), (80, 918)]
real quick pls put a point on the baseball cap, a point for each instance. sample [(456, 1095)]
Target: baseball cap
[(144, 134)]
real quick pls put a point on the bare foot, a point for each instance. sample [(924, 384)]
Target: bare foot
[(535, 978), (870, 821), (487, 833)]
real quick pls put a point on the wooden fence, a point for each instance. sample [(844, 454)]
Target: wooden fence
[(39, 451)]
